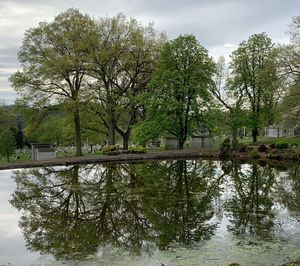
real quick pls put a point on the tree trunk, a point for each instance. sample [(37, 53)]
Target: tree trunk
[(111, 133), (125, 136), (234, 138), (180, 144), (125, 141), (77, 133), (254, 134)]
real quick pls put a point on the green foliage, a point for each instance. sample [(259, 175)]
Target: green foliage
[(125, 54), (148, 130), (111, 150), (7, 118), (288, 65), (241, 147), (294, 145), (254, 74), (104, 67), (281, 145), (290, 105), (137, 149), (179, 98), (225, 146), (54, 60), (254, 153), (7, 143), (53, 55), (53, 126)]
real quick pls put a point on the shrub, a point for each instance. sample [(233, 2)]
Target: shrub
[(111, 150), (281, 145), (137, 149), (254, 153), (241, 147), (225, 146), (294, 145), (262, 148), (7, 143)]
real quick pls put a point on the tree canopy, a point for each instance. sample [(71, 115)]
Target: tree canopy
[(254, 72), (122, 63), (112, 76), (54, 60), (179, 88)]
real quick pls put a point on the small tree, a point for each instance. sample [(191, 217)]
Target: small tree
[(7, 143)]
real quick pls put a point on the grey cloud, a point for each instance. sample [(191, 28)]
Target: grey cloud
[(7, 97), (7, 53), (214, 22)]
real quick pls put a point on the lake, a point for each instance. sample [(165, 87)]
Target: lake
[(193, 212)]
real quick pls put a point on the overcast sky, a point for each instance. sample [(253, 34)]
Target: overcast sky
[(219, 25)]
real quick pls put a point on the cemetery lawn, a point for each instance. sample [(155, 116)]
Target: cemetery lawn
[(292, 140)]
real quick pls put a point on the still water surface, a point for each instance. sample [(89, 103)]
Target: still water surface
[(191, 212)]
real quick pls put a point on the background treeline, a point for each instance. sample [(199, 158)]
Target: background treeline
[(114, 79)]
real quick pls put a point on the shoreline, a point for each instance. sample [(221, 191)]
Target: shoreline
[(159, 155), (120, 158)]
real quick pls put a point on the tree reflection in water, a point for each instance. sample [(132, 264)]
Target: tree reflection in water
[(70, 212), (250, 206), (288, 190)]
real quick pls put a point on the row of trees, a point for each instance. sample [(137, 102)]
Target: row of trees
[(79, 63), (113, 75)]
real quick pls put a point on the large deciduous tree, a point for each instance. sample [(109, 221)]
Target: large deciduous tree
[(254, 70), (54, 61), (123, 61), (179, 93)]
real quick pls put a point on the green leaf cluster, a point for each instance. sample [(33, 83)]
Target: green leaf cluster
[(178, 95), (7, 143), (111, 150)]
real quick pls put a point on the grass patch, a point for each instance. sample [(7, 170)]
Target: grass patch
[(23, 158), (267, 140)]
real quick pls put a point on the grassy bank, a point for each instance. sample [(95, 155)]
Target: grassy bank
[(22, 158), (267, 140), (292, 141)]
